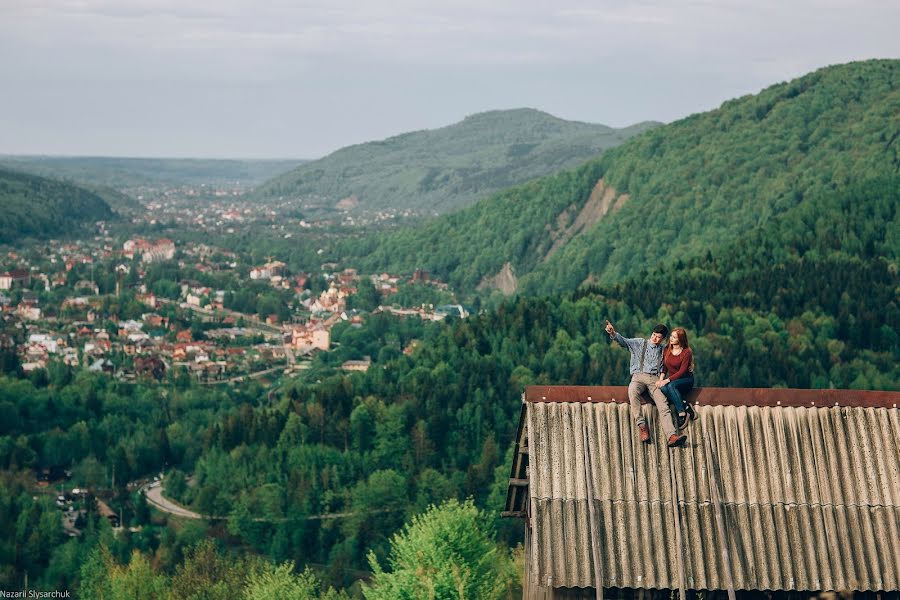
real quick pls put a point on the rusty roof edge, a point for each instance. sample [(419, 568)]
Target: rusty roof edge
[(724, 396)]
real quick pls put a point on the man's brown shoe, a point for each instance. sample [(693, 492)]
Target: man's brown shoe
[(677, 440), (645, 433)]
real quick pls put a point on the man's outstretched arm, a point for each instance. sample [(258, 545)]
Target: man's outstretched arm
[(615, 335)]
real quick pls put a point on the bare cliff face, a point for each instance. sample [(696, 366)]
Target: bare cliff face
[(505, 280), (603, 200)]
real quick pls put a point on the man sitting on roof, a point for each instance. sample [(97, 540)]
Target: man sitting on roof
[(646, 364)]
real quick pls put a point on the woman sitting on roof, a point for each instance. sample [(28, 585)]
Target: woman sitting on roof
[(678, 366)]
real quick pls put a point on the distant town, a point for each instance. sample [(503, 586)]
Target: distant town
[(89, 304)]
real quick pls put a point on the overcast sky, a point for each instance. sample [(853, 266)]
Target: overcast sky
[(301, 78)]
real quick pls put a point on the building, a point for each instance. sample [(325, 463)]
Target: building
[(450, 310), (310, 337), (149, 252), (357, 365), (14, 278), (777, 491), (268, 271)]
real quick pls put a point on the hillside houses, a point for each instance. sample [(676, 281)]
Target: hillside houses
[(332, 300), (15, 278), (268, 271), (149, 252), (89, 310), (310, 336)]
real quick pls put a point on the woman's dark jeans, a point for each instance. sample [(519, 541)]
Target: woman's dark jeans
[(674, 390)]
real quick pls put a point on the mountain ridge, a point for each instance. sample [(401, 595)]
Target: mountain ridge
[(692, 185), (41, 207), (439, 170)]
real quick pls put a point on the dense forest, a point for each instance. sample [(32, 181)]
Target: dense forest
[(437, 171), (436, 422), (38, 207), (776, 248), (689, 186)]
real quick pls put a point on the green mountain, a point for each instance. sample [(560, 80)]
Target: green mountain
[(440, 170), (39, 207), (671, 194), (122, 173)]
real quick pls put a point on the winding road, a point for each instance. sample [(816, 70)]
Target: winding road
[(153, 492)]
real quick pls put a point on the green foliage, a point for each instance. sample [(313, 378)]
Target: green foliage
[(464, 247), (446, 553), (325, 468), (38, 207), (137, 580), (280, 582), (684, 189), (697, 182), (444, 169)]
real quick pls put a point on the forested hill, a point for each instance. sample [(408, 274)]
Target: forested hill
[(436, 171), (37, 207), (123, 172), (674, 193)]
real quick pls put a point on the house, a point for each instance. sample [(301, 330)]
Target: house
[(149, 252), (348, 277), (194, 300), (420, 276), (90, 286), (268, 271), (331, 300), (148, 299), (357, 365), (309, 337), (28, 312), (785, 492), (102, 365), (150, 367), (77, 303), (46, 341), (14, 278), (155, 321), (450, 310)]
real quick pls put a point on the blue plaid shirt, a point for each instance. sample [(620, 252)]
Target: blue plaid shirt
[(653, 359)]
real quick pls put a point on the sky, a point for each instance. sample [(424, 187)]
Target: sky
[(302, 78)]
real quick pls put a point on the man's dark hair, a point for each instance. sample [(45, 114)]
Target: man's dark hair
[(661, 329)]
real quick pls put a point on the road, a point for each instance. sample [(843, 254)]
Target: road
[(154, 495), (250, 321), (153, 491), (238, 378)]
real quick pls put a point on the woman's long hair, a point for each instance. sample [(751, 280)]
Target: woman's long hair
[(681, 334)]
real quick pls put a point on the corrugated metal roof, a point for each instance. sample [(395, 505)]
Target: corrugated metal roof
[(810, 498)]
